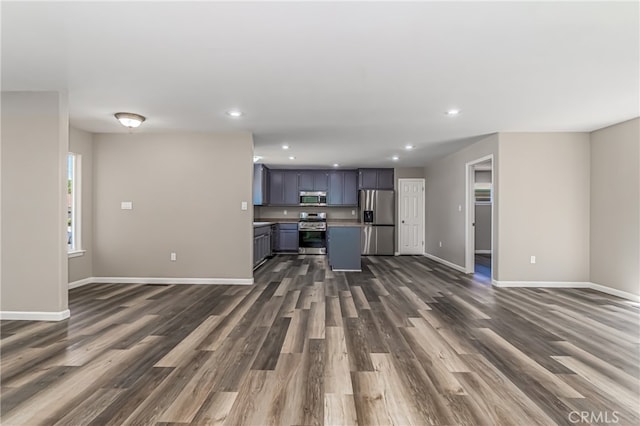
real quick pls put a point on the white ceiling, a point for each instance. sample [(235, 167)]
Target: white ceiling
[(340, 82)]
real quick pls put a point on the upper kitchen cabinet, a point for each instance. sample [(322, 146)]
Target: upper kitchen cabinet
[(260, 185), (343, 188), (313, 180), (283, 187), (350, 188), (375, 179)]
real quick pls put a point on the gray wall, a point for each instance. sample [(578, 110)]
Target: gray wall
[(543, 206), (35, 128), (186, 190), (483, 227), (483, 176), (81, 142), (445, 191), (615, 206)]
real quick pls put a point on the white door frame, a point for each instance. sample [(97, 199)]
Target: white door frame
[(469, 231), (422, 219)]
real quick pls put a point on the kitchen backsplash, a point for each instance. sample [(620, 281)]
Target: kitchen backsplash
[(293, 212)]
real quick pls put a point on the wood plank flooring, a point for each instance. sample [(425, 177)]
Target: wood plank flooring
[(405, 342)]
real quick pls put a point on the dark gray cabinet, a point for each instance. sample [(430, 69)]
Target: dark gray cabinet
[(287, 239), (313, 180), (260, 185), (291, 194), (343, 247), (368, 179), (343, 188), (320, 180), (385, 179), (276, 187), (261, 244), (375, 179), (283, 187)]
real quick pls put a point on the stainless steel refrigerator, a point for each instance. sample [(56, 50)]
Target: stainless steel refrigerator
[(377, 209)]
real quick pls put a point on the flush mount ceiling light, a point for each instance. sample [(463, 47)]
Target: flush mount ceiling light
[(129, 119), (235, 113), (336, 165), (395, 158), (285, 146), (292, 158), (409, 147), (452, 112)]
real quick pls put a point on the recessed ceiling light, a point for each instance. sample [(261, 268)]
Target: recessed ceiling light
[(452, 112), (395, 158), (408, 147), (336, 165), (234, 113), (256, 158), (292, 158), (285, 146)]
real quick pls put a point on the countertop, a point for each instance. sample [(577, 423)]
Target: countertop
[(270, 221), (260, 224)]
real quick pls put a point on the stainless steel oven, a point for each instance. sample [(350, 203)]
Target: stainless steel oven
[(312, 233)]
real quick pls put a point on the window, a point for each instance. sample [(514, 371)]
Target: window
[(74, 242)]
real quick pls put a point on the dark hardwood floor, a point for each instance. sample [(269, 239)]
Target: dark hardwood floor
[(406, 341)]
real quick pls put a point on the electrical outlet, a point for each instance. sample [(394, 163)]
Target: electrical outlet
[(353, 212), (126, 205), (285, 212), (533, 259), (243, 205), (174, 257), (459, 207), (440, 243)]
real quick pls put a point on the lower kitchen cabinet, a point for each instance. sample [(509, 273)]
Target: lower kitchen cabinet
[(287, 239), (261, 244), (343, 247)]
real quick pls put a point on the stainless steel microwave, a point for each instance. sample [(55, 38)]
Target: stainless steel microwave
[(315, 198)]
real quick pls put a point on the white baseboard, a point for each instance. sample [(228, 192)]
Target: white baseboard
[(446, 262), (615, 292), (568, 284), (541, 284), (34, 315), (81, 282), (483, 251), (156, 280)]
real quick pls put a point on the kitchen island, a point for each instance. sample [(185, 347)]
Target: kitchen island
[(343, 241), (344, 245)]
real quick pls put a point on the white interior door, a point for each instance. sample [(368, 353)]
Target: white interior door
[(411, 214)]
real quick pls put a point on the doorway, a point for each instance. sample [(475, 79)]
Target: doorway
[(479, 228), (411, 216)]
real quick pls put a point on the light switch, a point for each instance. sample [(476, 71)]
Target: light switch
[(244, 205), (126, 205)]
